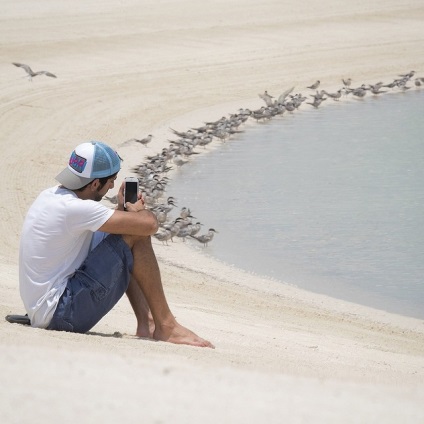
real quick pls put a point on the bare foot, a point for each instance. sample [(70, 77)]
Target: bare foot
[(176, 333)]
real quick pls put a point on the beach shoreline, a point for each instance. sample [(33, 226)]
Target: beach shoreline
[(225, 147), (124, 71)]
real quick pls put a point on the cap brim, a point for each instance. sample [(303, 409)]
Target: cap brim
[(69, 180)]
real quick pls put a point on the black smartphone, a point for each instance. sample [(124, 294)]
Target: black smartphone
[(130, 190)]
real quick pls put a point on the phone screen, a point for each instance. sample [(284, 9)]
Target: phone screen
[(131, 191)]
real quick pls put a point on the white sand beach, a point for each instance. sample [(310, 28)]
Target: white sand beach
[(130, 68)]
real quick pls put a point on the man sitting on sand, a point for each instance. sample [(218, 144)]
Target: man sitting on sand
[(71, 273)]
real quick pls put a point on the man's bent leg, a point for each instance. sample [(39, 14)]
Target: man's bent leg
[(147, 274), (145, 323), (95, 287)]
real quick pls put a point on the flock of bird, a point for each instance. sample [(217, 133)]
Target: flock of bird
[(152, 172), (287, 102)]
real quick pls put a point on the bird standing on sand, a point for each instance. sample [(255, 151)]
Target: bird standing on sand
[(161, 215), (195, 228), (179, 161), (335, 96), (185, 231), (360, 91), (376, 88), (165, 207), (31, 73), (113, 199), (185, 213), (174, 227), (347, 82), (402, 86), (164, 236), (205, 238), (315, 85)]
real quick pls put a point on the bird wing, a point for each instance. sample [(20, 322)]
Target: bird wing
[(46, 73), (266, 98), (23, 66), (284, 95)]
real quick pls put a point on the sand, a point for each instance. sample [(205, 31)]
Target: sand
[(130, 68)]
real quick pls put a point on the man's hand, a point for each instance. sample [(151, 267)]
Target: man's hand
[(130, 207), (137, 206)]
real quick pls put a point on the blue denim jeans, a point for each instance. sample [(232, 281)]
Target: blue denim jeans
[(95, 288)]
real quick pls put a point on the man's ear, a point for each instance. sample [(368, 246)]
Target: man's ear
[(95, 184)]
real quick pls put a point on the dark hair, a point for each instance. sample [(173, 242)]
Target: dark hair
[(102, 181)]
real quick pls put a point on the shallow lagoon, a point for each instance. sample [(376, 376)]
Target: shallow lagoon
[(330, 200)]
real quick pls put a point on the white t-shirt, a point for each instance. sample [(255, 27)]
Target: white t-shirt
[(55, 240)]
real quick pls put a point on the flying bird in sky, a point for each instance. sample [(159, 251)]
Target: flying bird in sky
[(31, 73), (144, 141)]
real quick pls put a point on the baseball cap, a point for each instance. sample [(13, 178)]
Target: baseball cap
[(89, 161)]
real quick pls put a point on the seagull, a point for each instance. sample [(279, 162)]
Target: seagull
[(392, 84), (319, 96), (174, 227), (419, 81), (179, 161), (408, 75), (161, 215), (376, 89), (113, 199), (205, 238), (144, 141), (31, 73), (166, 207), (290, 106), (359, 92), (185, 213), (185, 231), (315, 85), (335, 96), (402, 85), (195, 228), (316, 102), (164, 237), (347, 82), (267, 98)]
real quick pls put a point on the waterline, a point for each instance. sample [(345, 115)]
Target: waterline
[(330, 200)]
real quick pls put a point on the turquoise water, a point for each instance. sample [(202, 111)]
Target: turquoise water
[(330, 200)]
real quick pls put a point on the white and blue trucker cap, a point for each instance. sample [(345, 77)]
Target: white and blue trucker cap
[(87, 162)]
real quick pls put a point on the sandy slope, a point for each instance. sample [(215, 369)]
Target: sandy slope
[(128, 68)]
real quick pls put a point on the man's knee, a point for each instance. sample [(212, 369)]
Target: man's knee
[(132, 240)]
